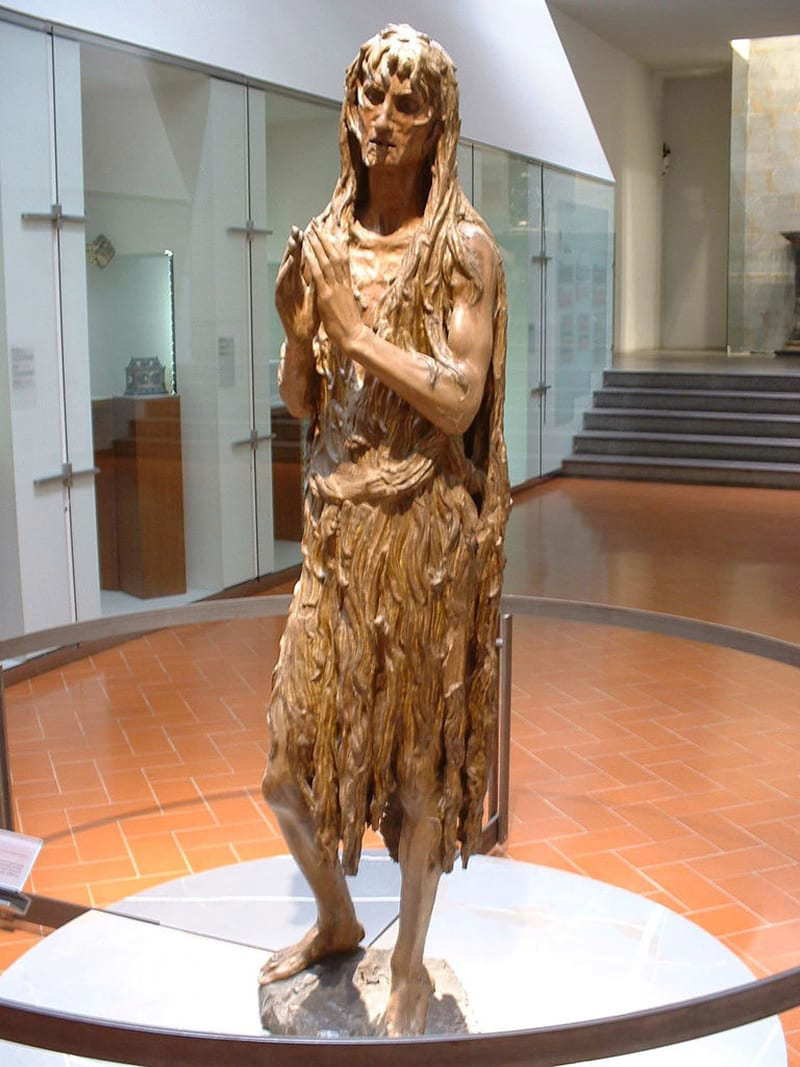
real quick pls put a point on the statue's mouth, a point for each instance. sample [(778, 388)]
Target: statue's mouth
[(382, 144)]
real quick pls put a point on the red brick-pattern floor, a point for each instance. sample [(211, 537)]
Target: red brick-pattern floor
[(143, 763), (667, 768), (657, 765), (661, 766)]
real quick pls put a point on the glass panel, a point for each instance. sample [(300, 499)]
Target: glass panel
[(71, 291), (464, 159), (190, 186), (302, 166), (165, 176), (536, 278), (132, 320), (501, 196), (260, 299), (44, 521), (579, 241)]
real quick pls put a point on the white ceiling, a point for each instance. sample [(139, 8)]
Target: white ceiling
[(673, 34)]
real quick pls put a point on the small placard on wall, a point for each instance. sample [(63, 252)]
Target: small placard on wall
[(18, 854), (23, 377), (226, 352), (23, 368)]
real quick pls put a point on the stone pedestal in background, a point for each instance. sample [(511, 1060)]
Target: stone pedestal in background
[(764, 192), (792, 346)]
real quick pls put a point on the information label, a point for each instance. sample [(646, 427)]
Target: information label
[(23, 378), (226, 351), (18, 854)]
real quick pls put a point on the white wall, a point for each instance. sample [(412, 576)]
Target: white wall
[(310, 134), (517, 89), (623, 98), (697, 117)]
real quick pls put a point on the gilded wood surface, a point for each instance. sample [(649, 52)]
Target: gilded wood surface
[(384, 700)]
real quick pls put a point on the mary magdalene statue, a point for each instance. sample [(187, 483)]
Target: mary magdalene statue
[(383, 707)]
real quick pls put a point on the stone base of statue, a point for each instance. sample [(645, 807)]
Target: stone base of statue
[(533, 947), (346, 995)]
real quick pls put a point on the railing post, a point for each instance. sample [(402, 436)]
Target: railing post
[(502, 796), (6, 803), (495, 829)]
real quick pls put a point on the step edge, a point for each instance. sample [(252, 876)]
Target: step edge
[(597, 459), (762, 394), (678, 413), (708, 438)]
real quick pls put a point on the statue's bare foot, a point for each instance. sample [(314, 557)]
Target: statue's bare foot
[(407, 1010), (316, 945)]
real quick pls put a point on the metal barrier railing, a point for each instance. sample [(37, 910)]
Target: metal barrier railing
[(552, 1046), (542, 1047)]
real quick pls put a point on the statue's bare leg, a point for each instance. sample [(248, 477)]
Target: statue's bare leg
[(337, 929), (420, 867)]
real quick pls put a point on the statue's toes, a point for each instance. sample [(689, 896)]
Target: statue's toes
[(283, 965), (268, 972)]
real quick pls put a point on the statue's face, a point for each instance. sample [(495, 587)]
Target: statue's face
[(395, 122)]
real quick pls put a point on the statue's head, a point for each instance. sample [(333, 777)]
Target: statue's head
[(400, 108), (401, 102)]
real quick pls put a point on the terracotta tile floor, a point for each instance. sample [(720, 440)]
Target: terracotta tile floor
[(661, 766)]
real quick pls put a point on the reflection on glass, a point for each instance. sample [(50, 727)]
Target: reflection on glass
[(501, 196), (536, 391), (464, 164), (508, 193), (165, 183), (579, 243), (131, 317), (556, 235), (302, 140)]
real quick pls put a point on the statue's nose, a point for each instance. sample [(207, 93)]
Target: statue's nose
[(383, 120)]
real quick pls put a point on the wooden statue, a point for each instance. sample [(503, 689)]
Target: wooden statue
[(384, 697)]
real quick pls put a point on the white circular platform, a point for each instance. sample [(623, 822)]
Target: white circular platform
[(532, 946)]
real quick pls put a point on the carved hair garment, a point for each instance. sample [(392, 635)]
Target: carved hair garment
[(387, 674)]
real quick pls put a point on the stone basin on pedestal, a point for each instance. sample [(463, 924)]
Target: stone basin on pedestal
[(792, 345)]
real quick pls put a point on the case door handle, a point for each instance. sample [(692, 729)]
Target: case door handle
[(253, 439), (55, 217), (65, 477)]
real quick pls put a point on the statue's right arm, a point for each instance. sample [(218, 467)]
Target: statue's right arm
[(298, 380)]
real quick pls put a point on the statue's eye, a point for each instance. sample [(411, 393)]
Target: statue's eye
[(408, 104), (374, 93)]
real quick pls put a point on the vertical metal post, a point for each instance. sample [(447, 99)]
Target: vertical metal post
[(491, 785), (6, 803), (504, 729)]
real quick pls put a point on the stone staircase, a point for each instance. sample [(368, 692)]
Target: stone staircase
[(713, 427)]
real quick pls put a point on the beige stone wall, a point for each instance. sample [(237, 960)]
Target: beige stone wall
[(765, 191), (697, 122)]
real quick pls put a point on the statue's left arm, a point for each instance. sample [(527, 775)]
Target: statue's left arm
[(448, 396)]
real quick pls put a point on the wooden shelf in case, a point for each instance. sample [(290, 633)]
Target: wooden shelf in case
[(140, 495), (287, 475)]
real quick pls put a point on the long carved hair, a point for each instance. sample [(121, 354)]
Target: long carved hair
[(422, 287), (414, 314), (415, 310)]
